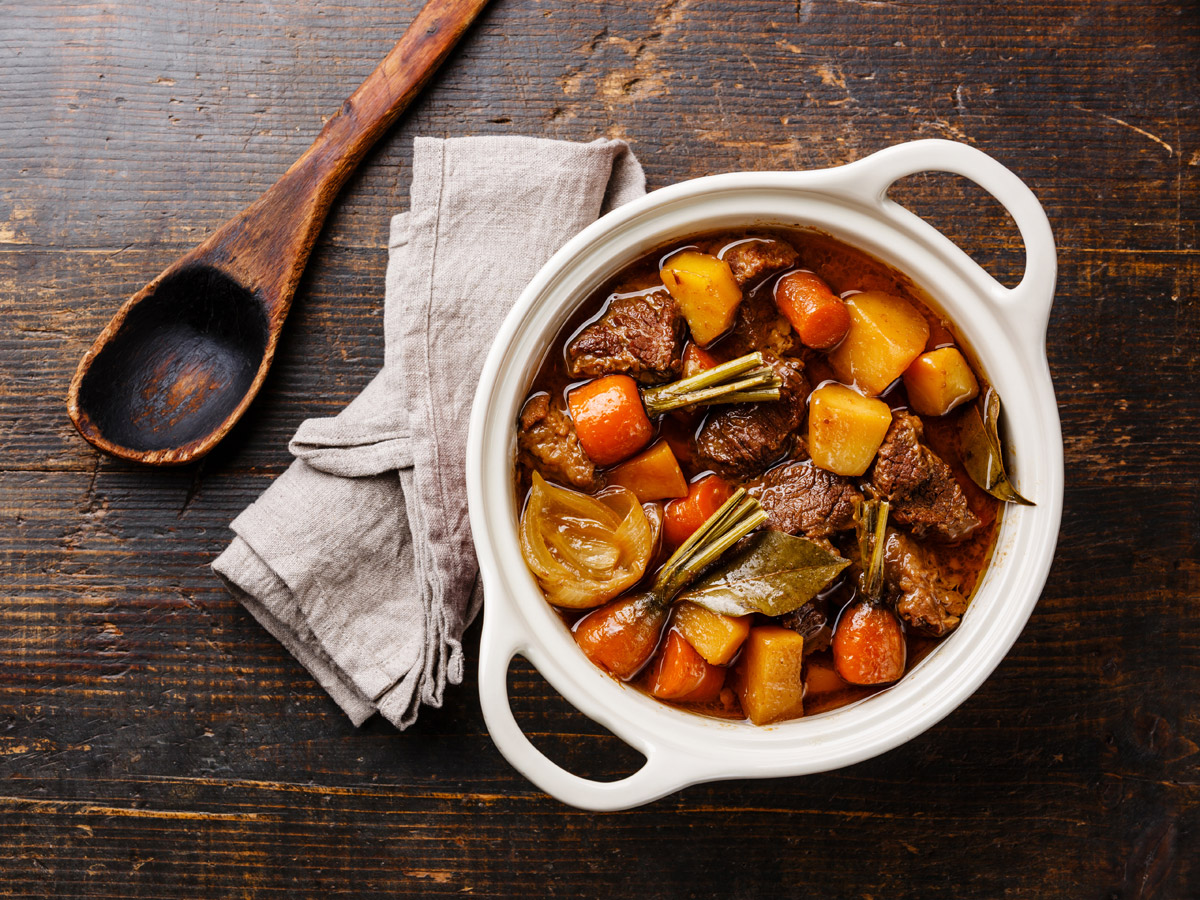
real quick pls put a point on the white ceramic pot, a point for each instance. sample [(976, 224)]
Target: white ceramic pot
[(1006, 328)]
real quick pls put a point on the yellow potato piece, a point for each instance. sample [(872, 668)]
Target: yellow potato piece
[(845, 429), (769, 678), (706, 291), (653, 474), (715, 637), (886, 334), (938, 381)]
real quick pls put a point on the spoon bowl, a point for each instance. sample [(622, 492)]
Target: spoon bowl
[(181, 360), (177, 366)]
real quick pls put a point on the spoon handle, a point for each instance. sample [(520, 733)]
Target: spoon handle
[(388, 90), (268, 244)]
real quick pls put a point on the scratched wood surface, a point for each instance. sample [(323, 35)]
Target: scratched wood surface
[(155, 742)]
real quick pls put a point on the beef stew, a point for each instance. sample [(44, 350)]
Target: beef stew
[(696, 455)]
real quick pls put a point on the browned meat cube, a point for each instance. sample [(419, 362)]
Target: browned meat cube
[(754, 258), (759, 325), (926, 601), (811, 622), (548, 443), (745, 438), (803, 499), (640, 336), (900, 465), (919, 484)]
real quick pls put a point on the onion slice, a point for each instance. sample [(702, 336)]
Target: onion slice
[(584, 550)]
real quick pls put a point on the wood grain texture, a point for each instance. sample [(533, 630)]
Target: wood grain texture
[(182, 359), (155, 742)]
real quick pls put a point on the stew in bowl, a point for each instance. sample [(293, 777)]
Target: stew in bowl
[(743, 469), (523, 410)]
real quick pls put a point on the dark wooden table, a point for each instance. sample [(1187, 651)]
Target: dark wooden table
[(154, 741)]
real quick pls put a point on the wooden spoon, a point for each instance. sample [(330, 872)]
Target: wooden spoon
[(184, 356)]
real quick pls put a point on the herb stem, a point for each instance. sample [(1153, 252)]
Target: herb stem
[(871, 545), (748, 397), (711, 552), (735, 519), (732, 382)]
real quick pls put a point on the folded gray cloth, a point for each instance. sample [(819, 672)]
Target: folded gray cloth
[(359, 557)]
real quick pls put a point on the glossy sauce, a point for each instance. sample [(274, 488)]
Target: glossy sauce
[(847, 271)]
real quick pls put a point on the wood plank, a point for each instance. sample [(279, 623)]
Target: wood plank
[(155, 742)]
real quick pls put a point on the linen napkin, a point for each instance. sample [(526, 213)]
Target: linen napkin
[(358, 558)]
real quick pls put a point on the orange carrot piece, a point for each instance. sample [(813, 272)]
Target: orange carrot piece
[(696, 360), (819, 317), (653, 474), (709, 689), (868, 645), (622, 635), (609, 418), (704, 497), (821, 678), (680, 673)]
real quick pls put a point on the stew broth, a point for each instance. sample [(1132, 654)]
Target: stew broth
[(847, 271)]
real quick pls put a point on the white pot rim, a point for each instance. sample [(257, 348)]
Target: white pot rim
[(1006, 330)]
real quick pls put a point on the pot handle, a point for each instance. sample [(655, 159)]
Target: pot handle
[(662, 774), (1026, 306)]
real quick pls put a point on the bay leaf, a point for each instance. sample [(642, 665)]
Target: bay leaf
[(773, 574), (982, 455)]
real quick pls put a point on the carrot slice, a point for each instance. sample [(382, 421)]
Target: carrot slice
[(680, 673), (819, 317), (868, 645), (709, 689), (821, 678), (704, 497), (610, 420), (622, 635), (653, 474), (696, 360)]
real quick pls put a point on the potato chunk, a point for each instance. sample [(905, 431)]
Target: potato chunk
[(715, 637), (938, 381), (845, 429), (770, 682), (886, 334), (706, 291), (653, 474)]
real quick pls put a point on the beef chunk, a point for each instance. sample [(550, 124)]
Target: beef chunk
[(755, 258), (900, 465), (745, 438), (548, 443), (759, 325), (924, 600), (803, 499), (920, 486), (641, 336), (811, 622)]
